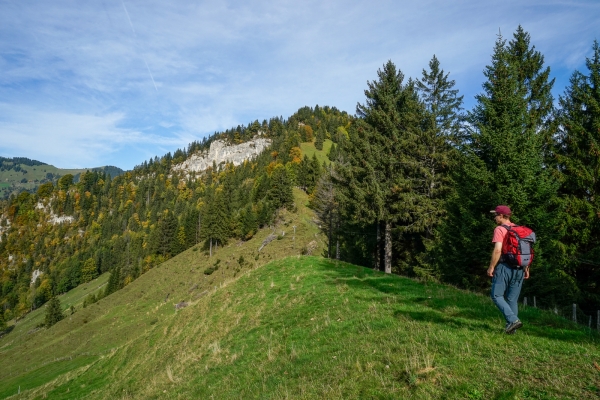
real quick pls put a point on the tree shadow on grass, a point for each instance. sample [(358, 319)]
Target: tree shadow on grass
[(452, 306)]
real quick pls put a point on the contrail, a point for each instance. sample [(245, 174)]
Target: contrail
[(151, 77), (126, 13), (135, 35)]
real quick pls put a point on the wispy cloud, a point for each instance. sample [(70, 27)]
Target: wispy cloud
[(123, 80)]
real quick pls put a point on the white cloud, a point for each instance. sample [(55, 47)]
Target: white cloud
[(70, 140), (79, 67)]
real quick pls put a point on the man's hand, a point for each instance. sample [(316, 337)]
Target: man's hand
[(490, 271), (526, 276)]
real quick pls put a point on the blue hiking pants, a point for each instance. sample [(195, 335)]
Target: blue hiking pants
[(506, 286)]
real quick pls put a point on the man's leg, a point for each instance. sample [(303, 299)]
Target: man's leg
[(500, 284), (514, 289)]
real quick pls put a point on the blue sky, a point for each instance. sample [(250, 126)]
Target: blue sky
[(92, 83)]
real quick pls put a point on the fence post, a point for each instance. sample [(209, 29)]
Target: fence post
[(524, 301), (555, 310), (534, 302), (574, 312)]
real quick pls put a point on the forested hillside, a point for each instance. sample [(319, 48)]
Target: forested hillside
[(66, 234), (408, 190), (21, 173)]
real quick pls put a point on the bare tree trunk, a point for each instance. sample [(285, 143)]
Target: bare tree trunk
[(388, 247), (337, 238), (329, 242), (378, 249)]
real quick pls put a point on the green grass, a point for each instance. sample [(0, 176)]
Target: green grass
[(297, 327), (309, 149)]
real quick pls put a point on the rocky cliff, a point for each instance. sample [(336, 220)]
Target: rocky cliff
[(220, 152)]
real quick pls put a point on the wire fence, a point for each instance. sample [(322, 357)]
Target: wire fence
[(571, 312)]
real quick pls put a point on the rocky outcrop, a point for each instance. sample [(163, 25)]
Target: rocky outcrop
[(35, 274), (220, 152)]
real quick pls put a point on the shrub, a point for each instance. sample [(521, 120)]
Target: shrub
[(215, 267)]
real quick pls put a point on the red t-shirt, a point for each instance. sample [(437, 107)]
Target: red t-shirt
[(500, 233)]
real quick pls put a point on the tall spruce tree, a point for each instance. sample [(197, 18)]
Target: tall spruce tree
[(375, 179), (577, 152), (327, 210), (502, 163), (434, 156), (441, 99), (280, 193)]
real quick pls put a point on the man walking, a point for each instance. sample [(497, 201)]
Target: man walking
[(506, 280)]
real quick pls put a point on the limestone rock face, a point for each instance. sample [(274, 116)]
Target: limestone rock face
[(35, 275), (220, 152)]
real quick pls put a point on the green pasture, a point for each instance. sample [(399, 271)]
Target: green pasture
[(278, 324), (309, 149)]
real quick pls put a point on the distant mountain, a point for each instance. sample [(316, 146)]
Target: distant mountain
[(20, 173)]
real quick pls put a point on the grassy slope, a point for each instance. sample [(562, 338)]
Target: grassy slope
[(309, 149), (300, 327)]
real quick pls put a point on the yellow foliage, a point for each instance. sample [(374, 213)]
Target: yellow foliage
[(296, 154), (271, 167)]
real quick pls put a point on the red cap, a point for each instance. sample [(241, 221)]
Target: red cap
[(504, 210)]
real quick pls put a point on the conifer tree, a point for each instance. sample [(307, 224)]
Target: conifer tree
[(441, 99), (280, 193), (433, 157), (376, 178), (311, 173), (327, 210), (53, 312), (577, 152), (114, 281), (248, 223), (218, 220), (320, 138), (502, 163)]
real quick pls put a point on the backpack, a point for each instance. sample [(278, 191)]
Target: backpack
[(517, 248)]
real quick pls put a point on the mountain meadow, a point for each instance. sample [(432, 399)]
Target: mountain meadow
[(284, 325), (347, 260)]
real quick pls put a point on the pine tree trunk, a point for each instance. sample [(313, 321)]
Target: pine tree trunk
[(388, 247), (329, 242), (337, 241), (378, 249)]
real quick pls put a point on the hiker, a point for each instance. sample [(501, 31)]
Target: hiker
[(506, 279)]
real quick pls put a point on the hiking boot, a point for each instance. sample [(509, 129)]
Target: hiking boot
[(506, 326), (512, 327)]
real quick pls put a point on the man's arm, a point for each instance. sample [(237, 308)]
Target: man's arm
[(495, 258)]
